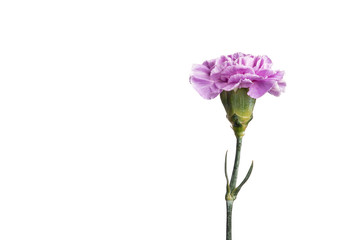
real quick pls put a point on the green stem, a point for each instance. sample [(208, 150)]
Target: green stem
[(235, 171), (230, 201), (229, 206)]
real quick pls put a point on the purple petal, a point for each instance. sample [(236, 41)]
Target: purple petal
[(231, 86), (221, 84), (236, 55), (246, 83), (247, 61), (210, 63), (200, 70), (279, 85), (267, 62), (262, 62), (253, 77), (275, 90), (236, 78), (220, 64), (282, 85), (259, 88), (278, 75), (237, 69), (205, 87), (265, 72)]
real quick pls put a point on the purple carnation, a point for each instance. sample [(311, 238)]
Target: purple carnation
[(239, 70)]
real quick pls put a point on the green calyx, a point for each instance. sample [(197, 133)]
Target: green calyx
[(239, 108)]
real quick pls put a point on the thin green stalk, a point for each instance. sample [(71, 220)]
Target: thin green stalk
[(234, 175), (235, 171), (229, 206)]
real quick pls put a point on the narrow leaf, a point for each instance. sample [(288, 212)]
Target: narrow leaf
[(236, 190), (226, 175)]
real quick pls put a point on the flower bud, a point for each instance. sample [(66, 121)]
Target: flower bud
[(239, 108)]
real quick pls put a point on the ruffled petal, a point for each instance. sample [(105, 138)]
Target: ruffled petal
[(209, 63), (278, 75), (253, 77), (236, 78), (282, 85), (262, 62), (265, 73), (246, 83), (220, 64), (267, 63), (221, 84), (200, 70), (275, 90), (279, 85), (237, 69), (259, 88), (231, 86), (205, 87), (247, 61), (237, 55)]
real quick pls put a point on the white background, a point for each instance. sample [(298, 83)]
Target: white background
[(103, 137)]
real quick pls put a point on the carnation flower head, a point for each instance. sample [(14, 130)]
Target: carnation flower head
[(236, 71)]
